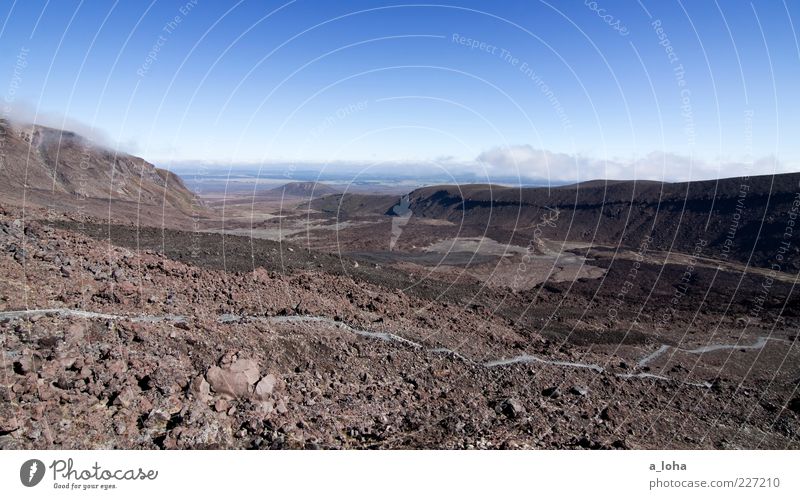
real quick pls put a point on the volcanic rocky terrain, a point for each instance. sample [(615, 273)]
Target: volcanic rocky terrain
[(608, 315)]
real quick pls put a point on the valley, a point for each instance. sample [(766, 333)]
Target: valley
[(308, 316)]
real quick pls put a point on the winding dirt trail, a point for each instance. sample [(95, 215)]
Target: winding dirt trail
[(760, 343), (395, 338)]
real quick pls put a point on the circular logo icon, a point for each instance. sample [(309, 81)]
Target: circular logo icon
[(31, 472)]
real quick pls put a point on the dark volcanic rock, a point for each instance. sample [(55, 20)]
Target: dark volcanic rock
[(511, 408)]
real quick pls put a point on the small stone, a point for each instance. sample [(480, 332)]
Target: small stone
[(553, 392), (140, 335), (126, 288), (126, 397), (265, 387), (579, 390), (8, 424), (63, 383), (74, 334), (157, 418), (200, 389), (117, 367), (511, 408), (37, 412), (145, 406), (27, 363), (120, 428), (266, 407), (221, 405), (45, 392)]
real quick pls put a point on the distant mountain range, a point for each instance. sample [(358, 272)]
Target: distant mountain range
[(347, 173)]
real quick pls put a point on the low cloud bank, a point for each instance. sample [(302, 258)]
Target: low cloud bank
[(21, 113), (530, 163)]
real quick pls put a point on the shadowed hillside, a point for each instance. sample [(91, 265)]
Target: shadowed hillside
[(741, 219)]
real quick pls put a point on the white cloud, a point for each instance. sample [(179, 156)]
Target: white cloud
[(527, 162), (23, 113)]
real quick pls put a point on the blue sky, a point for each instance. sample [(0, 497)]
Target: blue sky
[(573, 89)]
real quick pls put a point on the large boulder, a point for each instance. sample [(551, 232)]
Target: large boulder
[(235, 381)]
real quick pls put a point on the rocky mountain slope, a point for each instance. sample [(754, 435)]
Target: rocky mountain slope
[(62, 171)]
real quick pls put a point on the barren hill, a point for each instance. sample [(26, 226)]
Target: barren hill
[(306, 190), (355, 204), (63, 171)]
